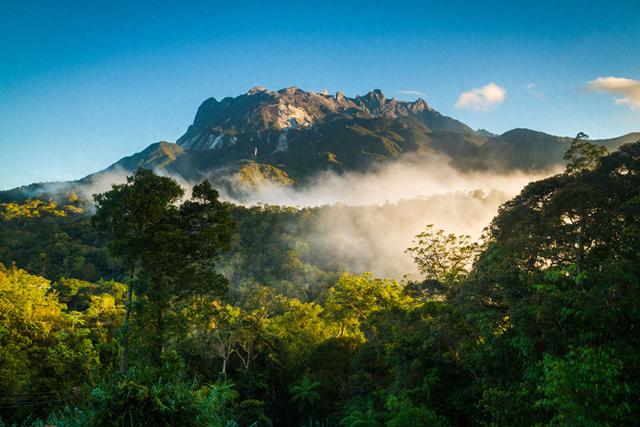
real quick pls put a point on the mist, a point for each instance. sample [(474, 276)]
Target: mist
[(103, 181), (365, 221), (406, 178)]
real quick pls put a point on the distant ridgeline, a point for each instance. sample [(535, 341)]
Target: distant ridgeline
[(289, 136)]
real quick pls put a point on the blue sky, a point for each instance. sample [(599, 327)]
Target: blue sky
[(83, 84)]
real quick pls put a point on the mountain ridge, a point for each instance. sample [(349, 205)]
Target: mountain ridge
[(289, 135)]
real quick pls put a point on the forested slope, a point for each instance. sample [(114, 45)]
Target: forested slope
[(537, 324)]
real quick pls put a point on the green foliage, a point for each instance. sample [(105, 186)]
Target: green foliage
[(587, 388), (54, 246), (128, 211), (583, 155), (48, 355), (28, 316), (539, 326), (355, 297), (270, 246), (252, 412), (170, 250), (63, 418), (304, 394), (34, 208), (403, 413), (138, 401), (253, 174), (445, 258), (362, 417)]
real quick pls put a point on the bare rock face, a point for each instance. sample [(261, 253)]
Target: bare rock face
[(261, 116)]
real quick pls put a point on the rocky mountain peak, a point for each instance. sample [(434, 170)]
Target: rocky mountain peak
[(207, 109), (290, 90), (257, 89), (373, 101), (250, 117), (419, 105)]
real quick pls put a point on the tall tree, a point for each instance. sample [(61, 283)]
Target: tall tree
[(305, 396), (583, 155), (445, 258), (178, 262), (126, 213), (169, 249)]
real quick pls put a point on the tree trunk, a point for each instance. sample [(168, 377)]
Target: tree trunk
[(125, 323), (579, 251), (579, 254), (160, 332)]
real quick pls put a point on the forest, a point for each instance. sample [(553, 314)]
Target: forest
[(151, 307)]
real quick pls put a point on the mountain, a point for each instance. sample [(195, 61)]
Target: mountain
[(302, 132), (288, 136), (254, 116)]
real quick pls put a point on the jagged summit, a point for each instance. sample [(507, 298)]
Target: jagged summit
[(259, 111), (257, 89)]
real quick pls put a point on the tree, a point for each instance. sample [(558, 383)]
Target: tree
[(126, 213), (443, 257), (45, 355), (354, 297), (587, 388), (583, 155), (178, 264), (76, 294), (359, 418), (138, 400), (250, 335), (28, 315), (305, 395), (169, 248), (554, 299), (402, 413), (225, 334)]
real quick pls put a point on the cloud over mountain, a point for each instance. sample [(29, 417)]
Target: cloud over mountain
[(628, 88), (412, 92), (482, 98)]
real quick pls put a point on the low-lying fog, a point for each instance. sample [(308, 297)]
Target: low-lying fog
[(366, 220)]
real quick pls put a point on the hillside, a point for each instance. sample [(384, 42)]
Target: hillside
[(537, 327)]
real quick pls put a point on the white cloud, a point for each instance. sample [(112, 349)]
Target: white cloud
[(628, 88), (413, 92), (482, 98), (532, 89)]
